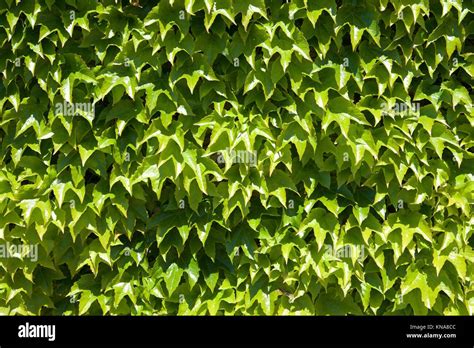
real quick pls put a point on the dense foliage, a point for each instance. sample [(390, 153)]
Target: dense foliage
[(236, 157)]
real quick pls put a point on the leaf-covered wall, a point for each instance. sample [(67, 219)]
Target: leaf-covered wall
[(236, 157)]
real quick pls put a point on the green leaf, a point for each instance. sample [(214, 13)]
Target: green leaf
[(173, 277)]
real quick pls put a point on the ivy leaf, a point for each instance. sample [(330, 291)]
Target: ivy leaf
[(173, 277)]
